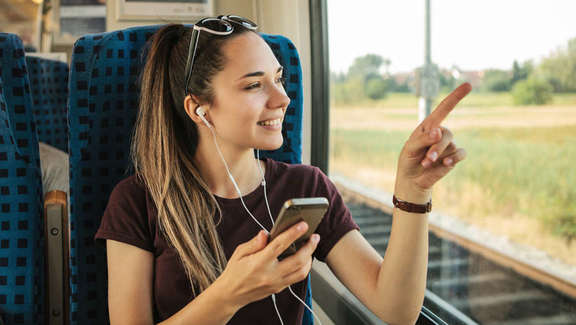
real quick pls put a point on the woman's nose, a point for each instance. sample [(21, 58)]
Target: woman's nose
[(278, 98)]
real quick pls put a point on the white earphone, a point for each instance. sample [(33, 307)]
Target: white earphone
[(200, 112)]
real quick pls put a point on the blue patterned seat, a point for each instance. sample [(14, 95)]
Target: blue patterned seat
[(49, 86), (21, 224), (103, 105)]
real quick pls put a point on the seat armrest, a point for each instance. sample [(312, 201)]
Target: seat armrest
[(57, 256)]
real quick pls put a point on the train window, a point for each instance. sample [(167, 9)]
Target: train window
[(79, 17), (503, 227)]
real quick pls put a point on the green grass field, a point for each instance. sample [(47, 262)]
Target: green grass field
[(526, 171), (529, 171)]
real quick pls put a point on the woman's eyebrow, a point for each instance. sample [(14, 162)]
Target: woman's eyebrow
[(259, 73)]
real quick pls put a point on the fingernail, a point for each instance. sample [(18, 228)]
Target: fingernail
[(315, 238), (433, 156), (448, 161), (433, 133), (425, 162), (301, 226)]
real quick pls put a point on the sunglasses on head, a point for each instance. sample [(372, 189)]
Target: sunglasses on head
[(222, 25)]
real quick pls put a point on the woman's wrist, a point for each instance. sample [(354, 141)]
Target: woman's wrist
[(225, 297), (412, 194)]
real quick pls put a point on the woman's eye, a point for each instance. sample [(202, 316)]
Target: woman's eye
[(253, 86), (281, 80)]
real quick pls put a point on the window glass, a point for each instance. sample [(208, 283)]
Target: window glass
[(503, 228), (80, 17)]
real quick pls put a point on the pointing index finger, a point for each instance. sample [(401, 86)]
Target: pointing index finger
[(447, 105)]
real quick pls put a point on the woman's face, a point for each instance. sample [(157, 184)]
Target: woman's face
[(249, 98)]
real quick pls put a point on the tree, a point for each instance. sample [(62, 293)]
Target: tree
[(532, 91), (375, 88), (363, 81), (496, 80), (367, 65), (521, 72), (559, 69)]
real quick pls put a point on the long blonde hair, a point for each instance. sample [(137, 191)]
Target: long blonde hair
[(164, 142)]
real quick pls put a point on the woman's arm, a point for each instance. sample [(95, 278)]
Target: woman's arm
[(130, 279), (394, 288)]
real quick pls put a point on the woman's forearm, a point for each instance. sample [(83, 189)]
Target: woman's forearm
[(402, 277), (212, 307)]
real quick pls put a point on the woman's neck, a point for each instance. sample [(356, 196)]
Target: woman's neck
[(241, 163)]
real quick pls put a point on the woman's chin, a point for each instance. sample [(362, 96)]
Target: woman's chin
[(271, 145)]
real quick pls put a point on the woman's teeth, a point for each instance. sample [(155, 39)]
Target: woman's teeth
[(271, 122)]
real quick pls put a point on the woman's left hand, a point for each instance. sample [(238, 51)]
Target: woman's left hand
[(430, 153)]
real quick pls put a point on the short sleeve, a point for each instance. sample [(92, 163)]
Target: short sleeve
[(336, 222), (125, 218)]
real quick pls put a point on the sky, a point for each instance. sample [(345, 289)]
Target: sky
[(471, 34)]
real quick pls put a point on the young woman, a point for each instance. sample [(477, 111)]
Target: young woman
[(184, 247)]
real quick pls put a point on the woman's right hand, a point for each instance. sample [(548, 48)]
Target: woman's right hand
[(254, 272)]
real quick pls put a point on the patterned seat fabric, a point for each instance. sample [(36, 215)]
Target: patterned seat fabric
[(103, 105), (49, 85), (21, 236)]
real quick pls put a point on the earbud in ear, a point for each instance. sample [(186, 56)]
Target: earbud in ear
[(200, 112)]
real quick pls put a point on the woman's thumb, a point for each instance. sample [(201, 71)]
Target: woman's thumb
[(259, 241)]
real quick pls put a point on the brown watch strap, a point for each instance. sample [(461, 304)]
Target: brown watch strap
[(411, 207)]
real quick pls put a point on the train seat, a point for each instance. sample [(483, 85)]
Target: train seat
[(21, 237), (49, 86), (102, 109)]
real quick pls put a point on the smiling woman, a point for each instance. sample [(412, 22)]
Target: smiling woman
[(224, 98)]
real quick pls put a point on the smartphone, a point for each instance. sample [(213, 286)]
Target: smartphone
[(311, 210)]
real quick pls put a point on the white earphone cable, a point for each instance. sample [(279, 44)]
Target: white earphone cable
[(270, 214), (234, 181), (273, 296)]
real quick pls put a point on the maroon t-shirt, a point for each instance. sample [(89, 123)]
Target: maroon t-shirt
[(130, 217)]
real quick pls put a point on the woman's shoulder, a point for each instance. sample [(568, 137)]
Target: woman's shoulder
[(130, 188), (130, 184), (128, 217)]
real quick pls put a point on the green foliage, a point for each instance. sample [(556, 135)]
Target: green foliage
[(447, 82), (367, 65), (521, 72), (375, 88), (350, 91), (363, 82), (496, 80), (533, 91), (560, 68), (393, 86)]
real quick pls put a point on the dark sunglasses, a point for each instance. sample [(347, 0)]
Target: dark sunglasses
[(222, 26)]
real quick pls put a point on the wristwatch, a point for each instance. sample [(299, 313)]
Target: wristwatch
[(411, 207)]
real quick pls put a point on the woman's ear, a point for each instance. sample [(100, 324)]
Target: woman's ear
[(191, 103)]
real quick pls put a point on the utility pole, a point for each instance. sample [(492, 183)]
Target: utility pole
[(429, 83)]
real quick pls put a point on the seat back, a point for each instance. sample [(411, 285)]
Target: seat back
[(103, 106), (49, 86), (21, 237)]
